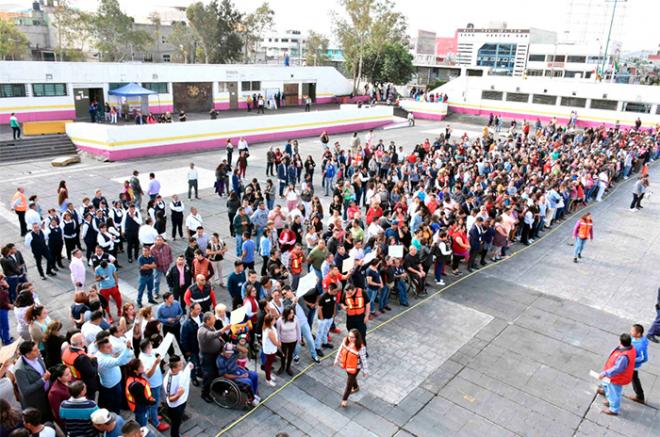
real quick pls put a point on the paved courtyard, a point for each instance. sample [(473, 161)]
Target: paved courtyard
[(504, 351)]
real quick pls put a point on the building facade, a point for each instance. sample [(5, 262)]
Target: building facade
[(274, 47)]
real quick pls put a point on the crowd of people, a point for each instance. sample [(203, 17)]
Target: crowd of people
[(391, 222)]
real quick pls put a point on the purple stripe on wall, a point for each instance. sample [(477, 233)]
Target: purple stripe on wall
[(40, 116), (218, 143), (532, 117)]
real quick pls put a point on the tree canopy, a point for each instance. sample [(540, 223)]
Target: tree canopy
[(13, 44), (114, 34), (316, 49)]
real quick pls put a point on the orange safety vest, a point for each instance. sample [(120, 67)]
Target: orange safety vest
[(349, 359), (584, 229), (355, 303), (22, 207), (147, 390), (296, 263), (69, 357)]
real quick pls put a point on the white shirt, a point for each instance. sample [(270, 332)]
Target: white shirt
[(193, 221), (242, 144), (176, 208), (173, 382), (192, 174), (267, 345), (77, 268), (147, 234), (89, 331), (32, 217)]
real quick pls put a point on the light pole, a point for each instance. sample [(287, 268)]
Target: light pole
[(609, 32)]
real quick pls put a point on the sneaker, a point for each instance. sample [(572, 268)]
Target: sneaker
[(152, 302), (316, 360), (320, 353), (653, 338), (257, 398), (162, 427), (254, 402), (327, 346), (440, 282), (296, 359), (207, 399), (271, 383), (387, 308), (633, 209), (575, 260)]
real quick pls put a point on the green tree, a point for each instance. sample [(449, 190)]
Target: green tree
[(185, 40), (203, 23), (229, 42), (392, 63), (370, 27), (254, 25), (114, 33), (154, 18), (74, 31), (316, 49), (13, 44)]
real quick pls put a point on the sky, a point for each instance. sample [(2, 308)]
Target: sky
[(638, 28)]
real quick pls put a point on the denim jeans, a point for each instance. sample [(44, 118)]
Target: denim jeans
[(626, 170), (270, 203), (613, 394), (259, 231), (239, 244), (322, 330), (372, 293), (148, 282), (153, 409), (383, 297), (579, 246), (306, 334), (4, 327), (403, 294), (252, 380), (157, 275), (141, 412)]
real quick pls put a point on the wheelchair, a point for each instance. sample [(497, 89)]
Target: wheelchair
[(228, 394)]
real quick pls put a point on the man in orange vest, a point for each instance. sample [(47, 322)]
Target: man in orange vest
[(583, 231), (357, 310), (619, 368), (19, 205), (81, 365)]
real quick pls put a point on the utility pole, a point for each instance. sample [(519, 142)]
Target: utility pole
[(609, 33)]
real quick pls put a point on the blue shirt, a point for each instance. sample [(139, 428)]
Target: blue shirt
[(173, 311), (641, 347), (266, 247), (144, 260), (249, 247), (109, 372), (235, 282), (108, 275)]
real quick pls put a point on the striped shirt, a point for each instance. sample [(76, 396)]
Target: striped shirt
[(76, 417)]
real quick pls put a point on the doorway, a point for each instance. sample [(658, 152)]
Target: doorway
[(291, 94), (82, 98), (232, 87), (309, 89)]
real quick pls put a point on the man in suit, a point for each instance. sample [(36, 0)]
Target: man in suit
[(13, 266), (474, 236), (36, 240), (179, 278), (32, 378)]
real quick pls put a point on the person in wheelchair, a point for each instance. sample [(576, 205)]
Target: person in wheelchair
[(415, 269), (228, 368)]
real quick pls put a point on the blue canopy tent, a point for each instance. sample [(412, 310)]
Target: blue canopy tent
[(134, 90)]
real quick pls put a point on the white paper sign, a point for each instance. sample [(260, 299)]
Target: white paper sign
[(369, 257), (347, 265), (395, 251), (165, 345), (238, 315), (306, 283)]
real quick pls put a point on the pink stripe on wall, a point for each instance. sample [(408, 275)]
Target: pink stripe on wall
[(39, 116), (219, 143), (161, 108), (224, 106), (532, 117), (428, 115), (325, 100)]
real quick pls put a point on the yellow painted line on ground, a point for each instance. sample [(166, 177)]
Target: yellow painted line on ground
[(422, 302), (229, 133)]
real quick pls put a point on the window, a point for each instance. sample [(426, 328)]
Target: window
[(163, 39), (501, 57), (543, 99), (517, 97), (536, 58), (12, 90), (492, 95), (159, 87), (610, 105), (148, 57), (560, 58), (48, 89), (554, 73), (251, 86), (534, 72), (115, 85), (576, 102), (637, 107), (577, 59), (285, 40), (167, 58)]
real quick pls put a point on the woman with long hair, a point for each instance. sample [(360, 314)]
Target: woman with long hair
[(288, 331), (62, 196), (138, 391), (38, 320), (53, 341), (352, 357), (269, 347), (10, 418)]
